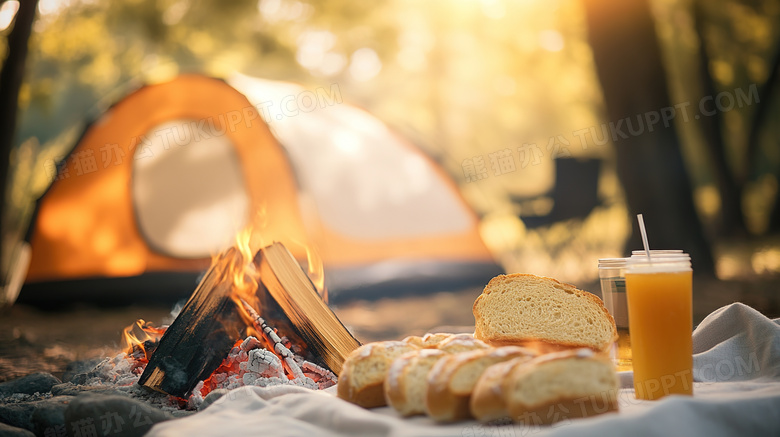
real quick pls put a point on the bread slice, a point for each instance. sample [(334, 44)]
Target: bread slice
[(561, 386), (524, 309), (362, 376), (487, 399), (452, 379), (405, 385)]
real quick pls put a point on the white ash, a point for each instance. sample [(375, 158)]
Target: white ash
[(121, 374), (196, 399), (250, 343), (264, 363), (118, 370), (272, 337), (248, 364), (162, 401), (261, 367), (326, 378), (268, 382)]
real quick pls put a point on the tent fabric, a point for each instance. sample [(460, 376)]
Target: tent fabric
[(168, 174), (376, 196), (86, 225)]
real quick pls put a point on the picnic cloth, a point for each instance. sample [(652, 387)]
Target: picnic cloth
[(736, 393)]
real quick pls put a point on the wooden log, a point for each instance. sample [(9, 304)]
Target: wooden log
[(200, 338), (289, 286), (213, 320)]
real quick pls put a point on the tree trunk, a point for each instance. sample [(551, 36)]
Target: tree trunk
[(11, 77), (649, 162), (759, 118), (732, 222)]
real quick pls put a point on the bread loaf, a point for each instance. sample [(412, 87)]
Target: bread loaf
[(452, 379), (561, 386), (530, 310), (362, 376)]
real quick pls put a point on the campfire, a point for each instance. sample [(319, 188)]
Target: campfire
[(254, 319)]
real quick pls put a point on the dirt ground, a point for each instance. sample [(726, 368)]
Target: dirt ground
[(32, 340)]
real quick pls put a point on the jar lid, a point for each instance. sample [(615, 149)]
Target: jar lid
[(660, 263), (612, 262)]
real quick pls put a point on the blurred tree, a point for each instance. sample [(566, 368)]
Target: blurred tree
[(730, 187), (462, 80), (649, 163), (11, 77), (748, 59), (761, 119)]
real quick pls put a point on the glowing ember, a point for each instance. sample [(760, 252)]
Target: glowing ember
[(268, 361), (250, 362)]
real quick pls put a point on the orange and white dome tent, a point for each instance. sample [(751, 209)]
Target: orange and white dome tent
[(171, 173)]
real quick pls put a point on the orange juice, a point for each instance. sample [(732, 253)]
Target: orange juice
[(660, 316)]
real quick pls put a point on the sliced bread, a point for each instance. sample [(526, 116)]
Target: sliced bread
[(452, 379), (530, 310)]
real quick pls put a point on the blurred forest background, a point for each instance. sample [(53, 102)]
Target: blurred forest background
[(522, 90)]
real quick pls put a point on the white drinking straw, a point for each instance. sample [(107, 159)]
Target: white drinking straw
[(644, 235)]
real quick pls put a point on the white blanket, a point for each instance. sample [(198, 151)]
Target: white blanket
[(736, 393)]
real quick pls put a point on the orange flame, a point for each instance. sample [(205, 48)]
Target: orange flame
[(241, 268), (237, 264), (139, 332), (316, 272)]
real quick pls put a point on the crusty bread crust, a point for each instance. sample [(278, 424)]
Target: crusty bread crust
[(542, 347), (362, 376), (487, 399), (447, 399), (368, 396), (398, 385), (569, 390), (546, 330)]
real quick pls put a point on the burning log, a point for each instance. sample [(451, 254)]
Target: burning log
[(201, 336), (294, 292), (210, 332)]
